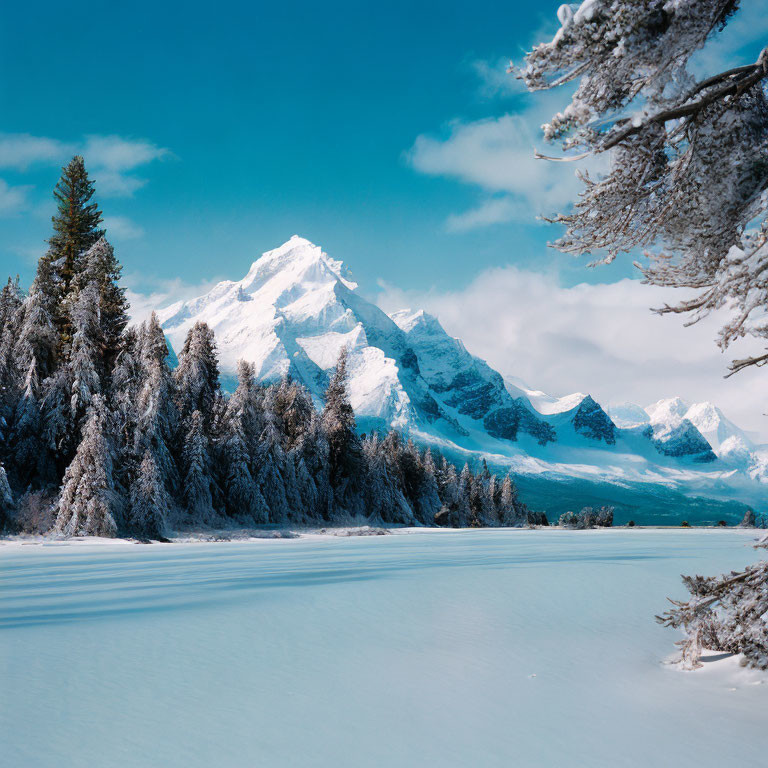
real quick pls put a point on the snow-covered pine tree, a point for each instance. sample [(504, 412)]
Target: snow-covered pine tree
[(88, 504), (429, 502), (157, 413), (293, 405), (197, 375), (30, 453), (197, 475), (85, 364), (75, 230), (6, 502), (150, 503), (10, 381), (242, 498), (10, 326), (510, 513), (241, 425), (345, 453), (70, 389), (271, 463), (688, 176), (124, 396), (100, 266), (463, 495)]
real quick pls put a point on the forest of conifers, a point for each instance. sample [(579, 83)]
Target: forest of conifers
[(99, 436)]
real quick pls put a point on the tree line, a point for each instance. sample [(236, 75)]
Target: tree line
[(99, 436)]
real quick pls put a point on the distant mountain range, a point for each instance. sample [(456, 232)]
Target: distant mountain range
[(297, 307)]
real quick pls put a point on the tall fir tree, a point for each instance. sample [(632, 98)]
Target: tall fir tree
[(339, 424), (197, 376), (89, 504), (197, 474), (157, 422), (75, 229), (150, 503), (100, 267)]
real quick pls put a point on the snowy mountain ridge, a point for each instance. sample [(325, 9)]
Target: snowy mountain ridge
[(297, 307)]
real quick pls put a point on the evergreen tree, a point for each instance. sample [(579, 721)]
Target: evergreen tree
[(88, 504), (509, 513), (463, 494), (150, 503), (6, 502), (85, 363), (197, 376), (100, 266), (10, 383), (243, 499), (197, 474), (339, 425), (124, 396), (75, 230), (157, 421)]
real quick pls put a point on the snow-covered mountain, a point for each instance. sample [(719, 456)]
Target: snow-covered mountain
[(297, 307)]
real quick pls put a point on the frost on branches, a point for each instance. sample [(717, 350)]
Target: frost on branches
[(725, 613), (689, 172)]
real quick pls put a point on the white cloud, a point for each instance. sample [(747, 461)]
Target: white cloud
[(110, 159), (600, 339), (494, 210), (19, 151), (12, 199), (494, 79), (146, 294), (122, 228), (496, 155)]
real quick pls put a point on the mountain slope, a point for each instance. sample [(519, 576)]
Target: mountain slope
[(296, 308)]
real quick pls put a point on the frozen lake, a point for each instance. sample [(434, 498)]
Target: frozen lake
[(470, 648)]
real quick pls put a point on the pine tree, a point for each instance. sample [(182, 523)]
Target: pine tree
[(157, 422), (463, 495), (6, 502), (150, 503), (76, 229), (339, 425), (242, 497), (100, 266), (124, 388), (11, 315), (197, 375), (509, 513), (88, 504), (85, 363), (197, 474)]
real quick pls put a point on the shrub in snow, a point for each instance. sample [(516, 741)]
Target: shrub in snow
[(725, 613), (588, 518)]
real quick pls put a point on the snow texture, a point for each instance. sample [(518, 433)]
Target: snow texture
[(486, 648)]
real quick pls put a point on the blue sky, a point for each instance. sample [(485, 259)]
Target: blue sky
[(387, 133), (267, 120)]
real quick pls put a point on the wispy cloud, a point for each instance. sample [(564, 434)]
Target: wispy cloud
[(496, 155), (600, 339), (147, 294), (12, 199), (122, 228), (112, 160), (494, 79)]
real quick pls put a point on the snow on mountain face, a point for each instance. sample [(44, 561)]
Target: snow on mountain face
[(467, 384), (296, 308), (291, 314)]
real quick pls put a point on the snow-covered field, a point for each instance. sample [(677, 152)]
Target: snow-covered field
[(430, 648)]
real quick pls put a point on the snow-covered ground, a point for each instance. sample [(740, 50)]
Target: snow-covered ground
[(437, 648)]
